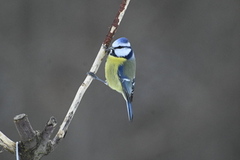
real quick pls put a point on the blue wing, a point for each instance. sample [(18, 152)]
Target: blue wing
[(128, 88)]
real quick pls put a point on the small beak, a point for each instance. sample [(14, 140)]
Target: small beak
[(108, 49)]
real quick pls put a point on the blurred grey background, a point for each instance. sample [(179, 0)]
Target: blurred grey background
[(186, 102)]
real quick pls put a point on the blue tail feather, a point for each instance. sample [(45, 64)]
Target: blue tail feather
[(129, 111)]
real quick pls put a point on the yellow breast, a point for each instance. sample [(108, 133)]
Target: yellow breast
[(111, 72)]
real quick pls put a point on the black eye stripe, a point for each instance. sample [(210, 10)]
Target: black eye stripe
[(119, 47)]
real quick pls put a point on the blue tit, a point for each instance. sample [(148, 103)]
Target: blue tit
[(120, 69)]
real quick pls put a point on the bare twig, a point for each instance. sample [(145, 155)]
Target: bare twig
[(101, 53), (7, 143)]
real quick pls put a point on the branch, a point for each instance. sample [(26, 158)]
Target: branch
[(82, 89), (35, 144), (7, 143), (25, 131)]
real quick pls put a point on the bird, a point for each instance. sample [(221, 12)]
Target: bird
[(120, 71)]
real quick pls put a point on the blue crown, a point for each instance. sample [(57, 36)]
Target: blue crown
[(122, 40)]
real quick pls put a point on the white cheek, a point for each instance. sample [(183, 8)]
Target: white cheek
[(122, 52)]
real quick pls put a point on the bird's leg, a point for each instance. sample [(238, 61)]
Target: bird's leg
[(94, 76)]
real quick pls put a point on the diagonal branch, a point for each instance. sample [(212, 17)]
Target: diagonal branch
[(101, 53), (34, 144)]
